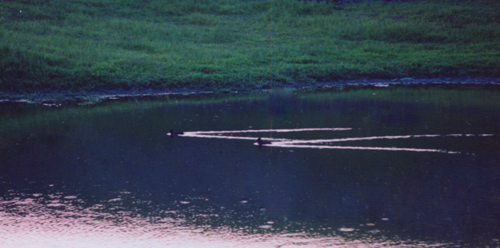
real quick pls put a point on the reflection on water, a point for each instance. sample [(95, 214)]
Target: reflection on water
[(57, 221), (334, 169)]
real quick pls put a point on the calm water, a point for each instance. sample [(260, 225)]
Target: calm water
[(367, 168)]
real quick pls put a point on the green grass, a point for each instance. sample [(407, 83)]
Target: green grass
[(217, 44)]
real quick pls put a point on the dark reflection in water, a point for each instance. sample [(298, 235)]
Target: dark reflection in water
[(96, 172)]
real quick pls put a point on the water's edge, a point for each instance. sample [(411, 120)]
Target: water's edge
[(55, 98)]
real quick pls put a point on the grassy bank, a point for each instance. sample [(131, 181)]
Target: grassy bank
[(164, 44)]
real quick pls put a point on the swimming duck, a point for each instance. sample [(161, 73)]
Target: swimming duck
[(172, 133), (260, 142)]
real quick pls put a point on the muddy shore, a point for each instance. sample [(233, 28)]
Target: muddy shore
[(56, 98)]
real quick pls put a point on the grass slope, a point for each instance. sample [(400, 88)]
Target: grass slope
[(162, 44)]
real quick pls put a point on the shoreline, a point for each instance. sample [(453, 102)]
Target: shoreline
[(56, 98)]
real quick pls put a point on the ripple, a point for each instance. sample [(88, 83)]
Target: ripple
[(346, 229), (326, 143), (29, 223)]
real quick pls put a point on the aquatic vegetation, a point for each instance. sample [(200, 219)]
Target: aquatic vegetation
[(467, 96), (230, 44)]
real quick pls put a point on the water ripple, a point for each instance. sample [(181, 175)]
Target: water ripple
[(29, 222)]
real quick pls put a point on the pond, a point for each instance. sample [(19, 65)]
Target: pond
[(416, 167)]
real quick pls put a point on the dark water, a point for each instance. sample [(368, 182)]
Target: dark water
[(368, 168)]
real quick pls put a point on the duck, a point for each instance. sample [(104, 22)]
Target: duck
[(260, 142), (173, 134)]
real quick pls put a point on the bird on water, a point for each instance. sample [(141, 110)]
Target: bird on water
[(173, 134), (260, 142)]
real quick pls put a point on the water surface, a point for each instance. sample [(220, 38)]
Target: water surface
[(367, 168)]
